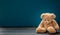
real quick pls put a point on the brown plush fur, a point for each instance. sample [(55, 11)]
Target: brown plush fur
[(47, 24)]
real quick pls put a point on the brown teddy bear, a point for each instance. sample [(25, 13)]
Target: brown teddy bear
[(48, 23)]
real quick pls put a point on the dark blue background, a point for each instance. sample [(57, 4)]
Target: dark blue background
[(26, 12)]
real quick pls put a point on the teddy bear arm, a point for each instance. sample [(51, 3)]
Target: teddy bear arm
[(56, 26), (41, 24), (41, 28)]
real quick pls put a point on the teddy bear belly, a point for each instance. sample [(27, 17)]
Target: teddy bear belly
[(48, 25)]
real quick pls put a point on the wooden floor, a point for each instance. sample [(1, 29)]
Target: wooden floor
[(22, 31)]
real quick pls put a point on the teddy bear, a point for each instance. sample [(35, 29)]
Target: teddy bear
[(48, 23)]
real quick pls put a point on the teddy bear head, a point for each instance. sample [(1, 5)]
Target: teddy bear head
[(47, 16)]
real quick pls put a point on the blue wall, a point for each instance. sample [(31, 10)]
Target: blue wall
[(26, 12)]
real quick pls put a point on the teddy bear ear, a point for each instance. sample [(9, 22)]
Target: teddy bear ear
[(53, 15), (42, 15)]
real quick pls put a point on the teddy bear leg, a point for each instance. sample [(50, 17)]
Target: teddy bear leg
[(40, 30), (51, 30)]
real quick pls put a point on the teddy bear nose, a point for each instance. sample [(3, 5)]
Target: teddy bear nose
[(48, 20)]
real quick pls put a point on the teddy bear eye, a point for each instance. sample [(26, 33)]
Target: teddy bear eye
[(45, 19)]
